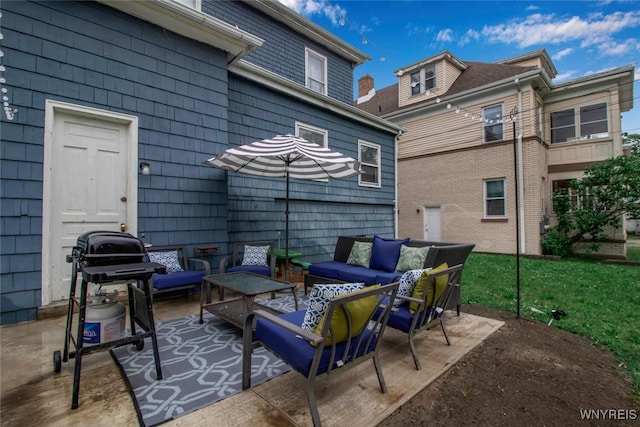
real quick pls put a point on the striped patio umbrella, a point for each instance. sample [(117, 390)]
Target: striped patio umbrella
[(286, 156)]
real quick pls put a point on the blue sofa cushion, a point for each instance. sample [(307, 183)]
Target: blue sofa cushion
[(264, 270), (327, 268), (384, 278), (295, 351), (385, 253), (354, 273), (179, 278)]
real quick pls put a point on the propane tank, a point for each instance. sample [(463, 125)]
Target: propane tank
[(104, 319)]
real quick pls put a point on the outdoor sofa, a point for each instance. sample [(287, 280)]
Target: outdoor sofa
[(339, 270)]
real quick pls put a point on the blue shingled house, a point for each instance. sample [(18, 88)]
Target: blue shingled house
[(95, 89)]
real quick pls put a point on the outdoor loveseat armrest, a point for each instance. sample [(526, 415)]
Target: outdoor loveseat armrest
[(203, 263)]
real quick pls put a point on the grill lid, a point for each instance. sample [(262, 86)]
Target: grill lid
[(108, 247)]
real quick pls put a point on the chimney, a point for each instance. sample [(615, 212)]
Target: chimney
[(365, 85)]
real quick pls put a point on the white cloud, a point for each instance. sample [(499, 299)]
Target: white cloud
[(468, 36), (445, 35), (532, 7), (412, 29), (312, 7), (561, 54), (568, 75), (596, 30)]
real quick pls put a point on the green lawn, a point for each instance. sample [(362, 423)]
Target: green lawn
[(601, 301)]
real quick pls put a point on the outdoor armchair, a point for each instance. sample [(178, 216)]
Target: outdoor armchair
[(254, 257), (418, 314), (183, 273), (348, 319)]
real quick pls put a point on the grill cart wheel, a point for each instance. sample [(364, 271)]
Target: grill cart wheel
[(57, 361), (140, 345)]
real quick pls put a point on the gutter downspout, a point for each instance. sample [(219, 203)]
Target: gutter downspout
[(395, 185)]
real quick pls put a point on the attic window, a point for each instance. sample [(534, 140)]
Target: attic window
[(423, 80)]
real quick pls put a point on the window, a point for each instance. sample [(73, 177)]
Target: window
[(565, 184), (316, 72), (592, 118), (493, 130), (369, 156), (563, 125), (423, 80), (312, 134), (494, 198), (194, 4)]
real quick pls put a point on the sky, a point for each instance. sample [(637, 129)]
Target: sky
[(581, 37)]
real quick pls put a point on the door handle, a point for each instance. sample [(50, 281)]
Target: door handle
[(123, 227)]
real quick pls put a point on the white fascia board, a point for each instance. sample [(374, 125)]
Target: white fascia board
[(190, 23), (304, 26), (274, 81), (620, 77)]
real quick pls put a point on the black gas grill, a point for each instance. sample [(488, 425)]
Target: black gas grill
[(102, 257), (97, 248)]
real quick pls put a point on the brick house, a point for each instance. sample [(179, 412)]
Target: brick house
[(457, 154), (100, 87)]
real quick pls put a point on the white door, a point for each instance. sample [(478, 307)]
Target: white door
[(90, 184), (432, 230)]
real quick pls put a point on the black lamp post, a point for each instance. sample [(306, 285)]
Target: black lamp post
[(513, 115)]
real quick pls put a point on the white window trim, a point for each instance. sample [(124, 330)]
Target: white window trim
[(484, 198), (308, 52), (324, 132), (422, 81), (194, 4), (377, 147), (486, 119)]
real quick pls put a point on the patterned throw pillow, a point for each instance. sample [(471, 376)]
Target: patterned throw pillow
[(360, 254), (167, 258), (407, 284), (255, 255), (411, 258), (320, 298)]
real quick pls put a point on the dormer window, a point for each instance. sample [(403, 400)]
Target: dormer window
[(423, 80)]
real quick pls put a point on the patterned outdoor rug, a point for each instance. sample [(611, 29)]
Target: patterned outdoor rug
[(201, 364)]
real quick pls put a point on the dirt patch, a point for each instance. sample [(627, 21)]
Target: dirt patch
[(526, 373)]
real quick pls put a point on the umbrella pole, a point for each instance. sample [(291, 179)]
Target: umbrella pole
[(286, 230)]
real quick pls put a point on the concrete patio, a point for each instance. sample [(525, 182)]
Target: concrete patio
[(31, 393)]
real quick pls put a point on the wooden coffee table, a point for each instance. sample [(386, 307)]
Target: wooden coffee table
[(248, 285)]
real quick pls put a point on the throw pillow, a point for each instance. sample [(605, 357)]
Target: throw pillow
[(255, 255), (418, 291), (385, 253), (411, 258), (167, 258), (360, 254), (319, 299), (408, 282), (359, 312)]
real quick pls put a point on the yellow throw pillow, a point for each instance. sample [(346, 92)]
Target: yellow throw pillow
[(418, 291), (359, 309)]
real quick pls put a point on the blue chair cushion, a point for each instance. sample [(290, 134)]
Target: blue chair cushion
[(295, 351), (401, 318), (327, 268), (385, 253), (179, 278), (264, 270)]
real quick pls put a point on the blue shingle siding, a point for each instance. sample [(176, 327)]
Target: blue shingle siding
[(319, 211), (283, 51), (90, 54)]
